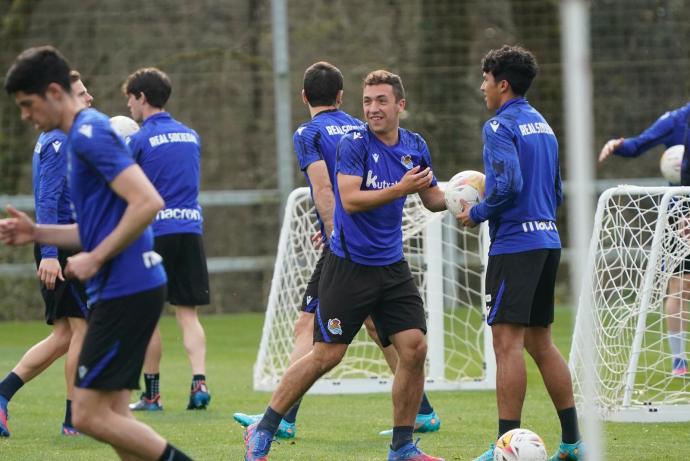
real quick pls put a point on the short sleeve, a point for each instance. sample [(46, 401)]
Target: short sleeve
[(306, 145), (97, 145), (351, 154)]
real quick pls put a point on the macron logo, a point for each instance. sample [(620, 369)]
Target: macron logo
[(494, 125), (300, 130), (56, 146), (376, 157), (86, 130), (151, 258)]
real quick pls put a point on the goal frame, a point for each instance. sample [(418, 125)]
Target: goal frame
[(434, 380), (625, 409)]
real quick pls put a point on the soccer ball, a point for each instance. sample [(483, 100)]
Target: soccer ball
[(520, 445), (670, 163), (467, 185), (124, 126)]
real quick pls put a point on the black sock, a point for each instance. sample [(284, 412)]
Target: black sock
[(11, 384), (425, 407), (401, 435), (505, 425), (291, 415), (196, 379), (152, 381), (270, 421), (68, 413), (569, 428), (173, 454)]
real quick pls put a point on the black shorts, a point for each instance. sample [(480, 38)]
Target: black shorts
[(520, 287), (310, 300), (349, 292), (117, 335), (68, 299), (184, 260)]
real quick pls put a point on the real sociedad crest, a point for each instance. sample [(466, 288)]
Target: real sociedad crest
[(334, 326), (406, 160)]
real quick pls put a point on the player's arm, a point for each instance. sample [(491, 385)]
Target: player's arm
[(504, 165), (355, 200), (324, 200), (656, 134), (51, 181), (143, 202)]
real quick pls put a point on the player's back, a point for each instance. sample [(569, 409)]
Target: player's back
[(529, 223), (169, 152), (96, 156)]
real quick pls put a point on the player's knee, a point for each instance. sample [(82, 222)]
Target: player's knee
[(328, 356), (62, 335), (413, 353), (82, 419), (539, 350), (304, 325)]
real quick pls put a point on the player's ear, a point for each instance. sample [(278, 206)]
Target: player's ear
[(339, 98), (304, 97), (53, 91), (401, 105)]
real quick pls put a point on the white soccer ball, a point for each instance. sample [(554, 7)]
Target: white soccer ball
[(670, 163), (467, 185), (124, 126), (520, 445)]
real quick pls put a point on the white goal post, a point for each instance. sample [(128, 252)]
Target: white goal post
[(641, 237), (448, 263)]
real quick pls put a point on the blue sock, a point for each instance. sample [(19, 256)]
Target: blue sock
[(270, 421), (425, 407), (68, 413), (291, 416), (11, 384), (402, 435)]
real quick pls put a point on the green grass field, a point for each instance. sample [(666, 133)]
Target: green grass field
[(336, 428)]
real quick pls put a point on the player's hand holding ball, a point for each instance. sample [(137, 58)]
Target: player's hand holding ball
[(463, 191)]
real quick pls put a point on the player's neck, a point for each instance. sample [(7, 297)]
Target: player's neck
[(389, 138), (148, 111), (313, 111), (69, 112)]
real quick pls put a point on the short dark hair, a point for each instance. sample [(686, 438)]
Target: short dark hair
[(154, 83), (322, 82), (383, 77), (36, 68), (514, 64)]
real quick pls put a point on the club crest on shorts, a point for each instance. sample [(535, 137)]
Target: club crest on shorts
[(334, 326), (406, 160)]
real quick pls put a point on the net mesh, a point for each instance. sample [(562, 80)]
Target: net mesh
[(638, 253), (456, 331)]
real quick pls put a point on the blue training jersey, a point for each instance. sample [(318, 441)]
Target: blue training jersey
[(51, 193), (670, 129), (317, 140), (170, 155), (523, 181), (374, 237), (96, 156)]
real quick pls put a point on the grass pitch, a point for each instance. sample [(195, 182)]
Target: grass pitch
[(334, 428)]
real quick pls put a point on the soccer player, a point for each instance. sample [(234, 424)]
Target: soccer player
[(65, 300), (315, 145), (523, 189), (170, 155), (670, 129), (365, 273), (114, 203)]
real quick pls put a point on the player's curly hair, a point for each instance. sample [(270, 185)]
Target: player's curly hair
[(383, 77), (514, 64)]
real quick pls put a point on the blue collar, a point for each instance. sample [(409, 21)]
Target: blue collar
[(516, 100)]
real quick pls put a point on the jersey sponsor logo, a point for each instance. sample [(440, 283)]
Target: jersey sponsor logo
[(406, 160), (527, 129), (494, 124), (57, 145), (376, 157), (179, 213), (166, 138), (334, 326), (335, 130), (372, 182), (151, 258), (87, 130), (534, 226)]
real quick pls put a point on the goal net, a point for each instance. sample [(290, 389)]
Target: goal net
[(640, 240), (448, 263)]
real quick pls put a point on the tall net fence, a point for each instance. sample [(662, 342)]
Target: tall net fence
[(219, 56)]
